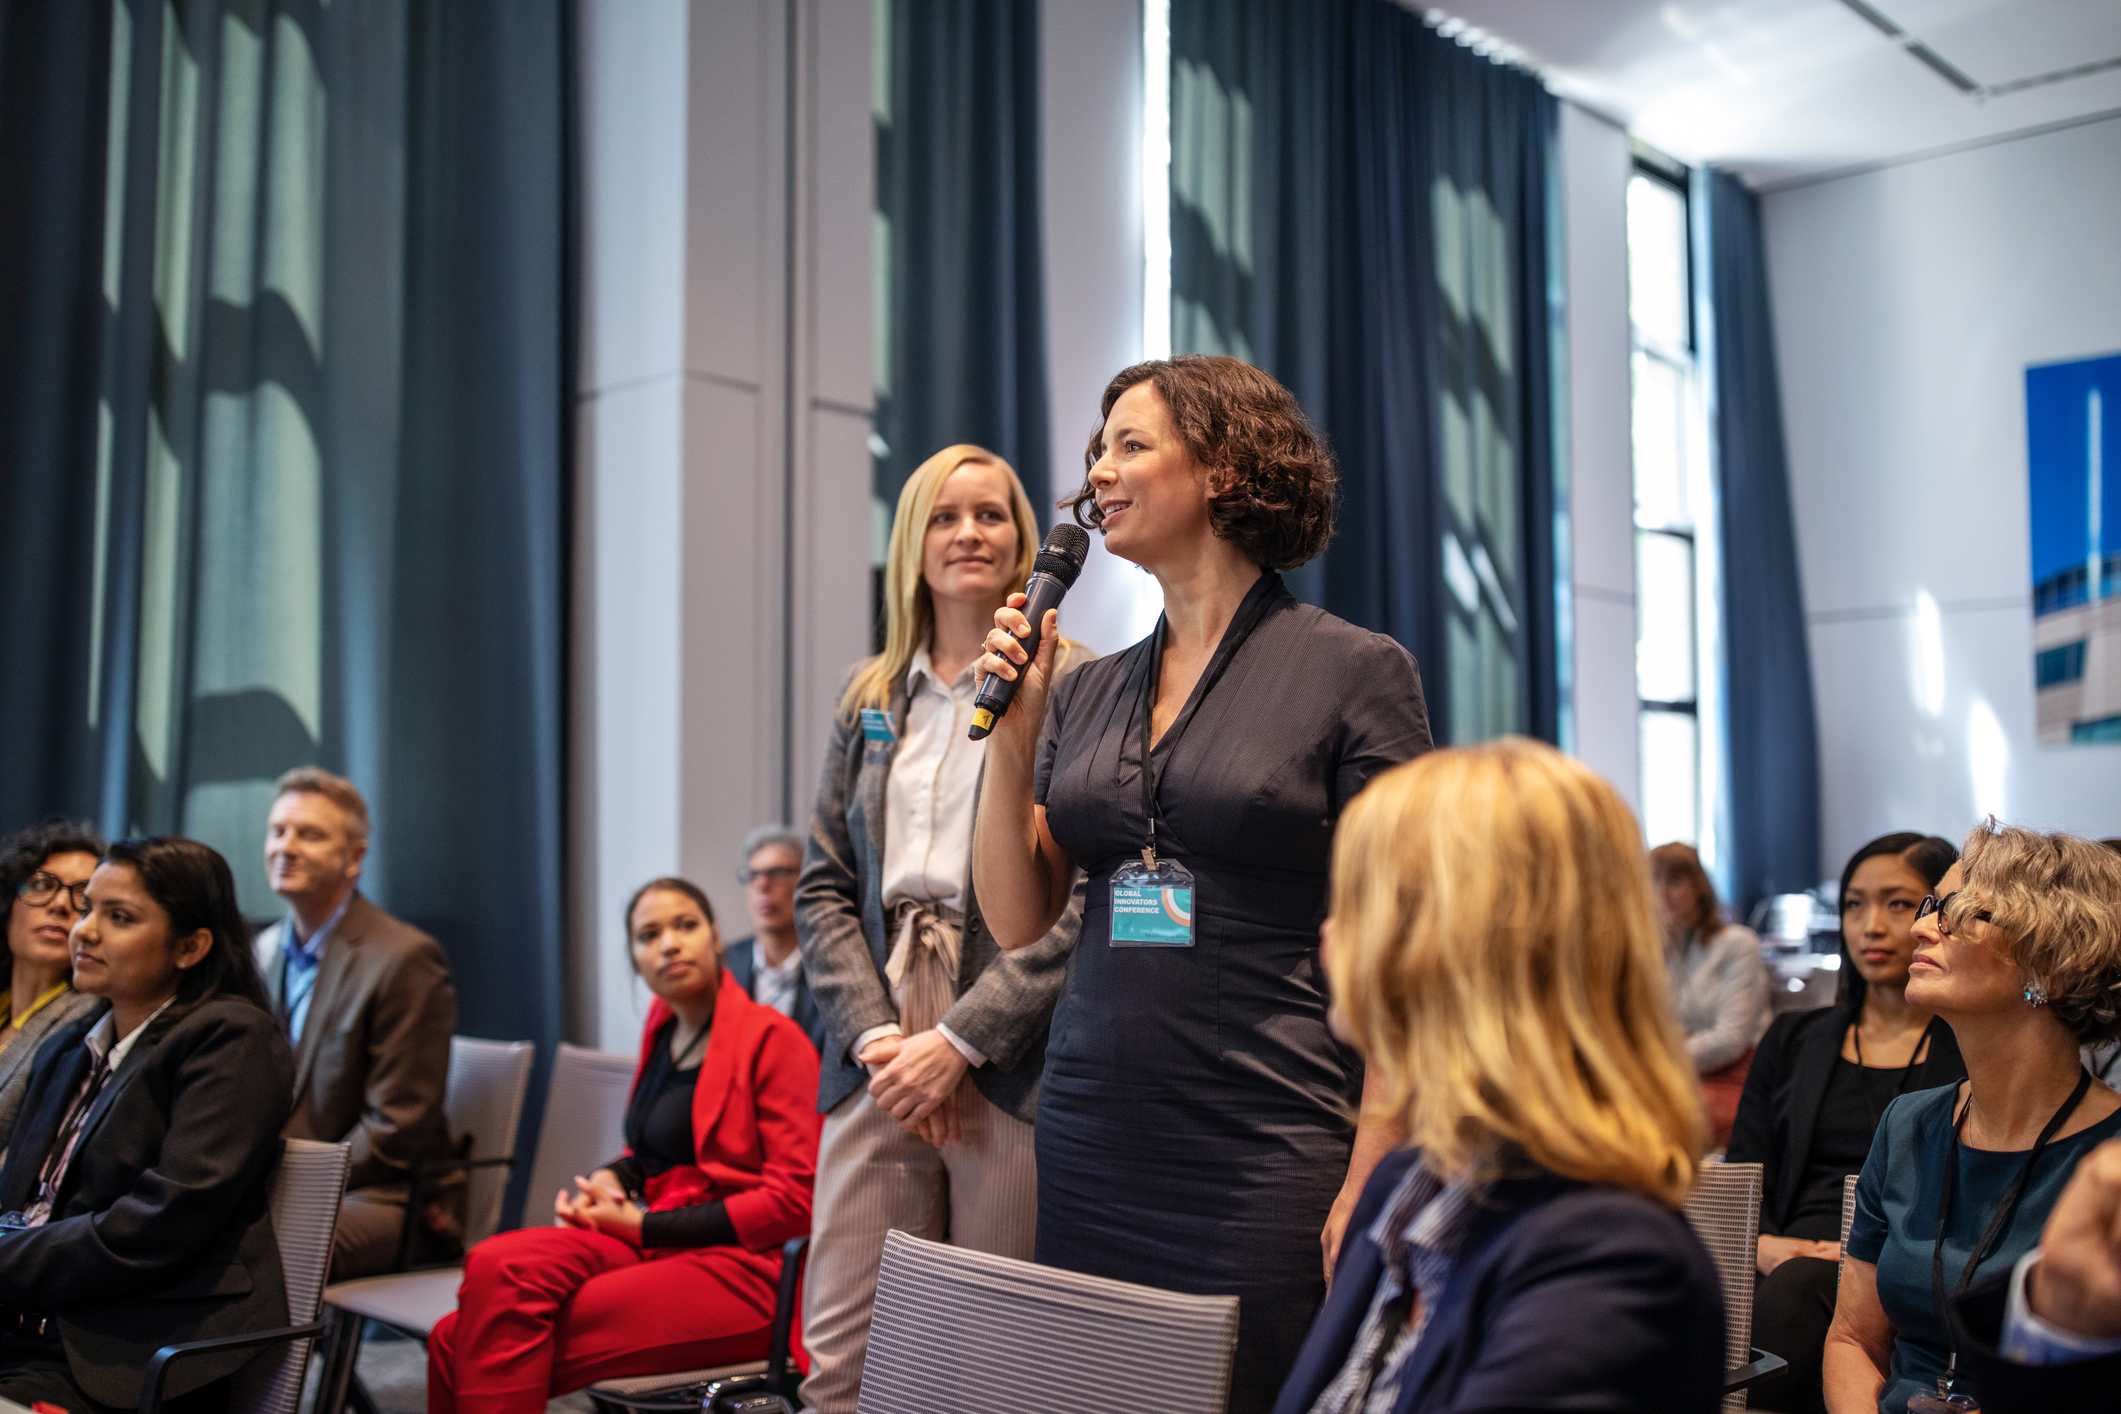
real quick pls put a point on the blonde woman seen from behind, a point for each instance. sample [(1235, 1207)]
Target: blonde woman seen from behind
[(1526, 1249), (934, 1039)]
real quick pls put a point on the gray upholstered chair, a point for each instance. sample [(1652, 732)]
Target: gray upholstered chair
[(959, 1332), (585, 1112), (484, 1103), (306, 1190), (1724, 1210)]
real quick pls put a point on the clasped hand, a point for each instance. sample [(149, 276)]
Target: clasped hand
[(599, 1204), (914, 1079), (2076, 1284)]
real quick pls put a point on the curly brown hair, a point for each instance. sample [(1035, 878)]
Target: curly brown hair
[(1273, 485)]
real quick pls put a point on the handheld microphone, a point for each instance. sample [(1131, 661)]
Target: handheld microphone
[(1053, 573)]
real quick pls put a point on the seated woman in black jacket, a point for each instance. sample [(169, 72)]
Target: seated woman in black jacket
[(1528, 1251), (1819, 1082), (135, 1184)]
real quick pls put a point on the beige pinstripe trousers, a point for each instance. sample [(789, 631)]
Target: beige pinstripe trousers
[(872, 1176)]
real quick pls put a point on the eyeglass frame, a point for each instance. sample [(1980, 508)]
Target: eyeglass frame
[(76, 894), (1932, 905), (746, 874)]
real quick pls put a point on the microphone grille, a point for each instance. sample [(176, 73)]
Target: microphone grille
[(1062, 556)]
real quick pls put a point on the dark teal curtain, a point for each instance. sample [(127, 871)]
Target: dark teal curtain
[(1770, 726), (284, 414), (962, 319), (1363, 209)]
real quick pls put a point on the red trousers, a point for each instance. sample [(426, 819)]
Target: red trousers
[(546, 1310)]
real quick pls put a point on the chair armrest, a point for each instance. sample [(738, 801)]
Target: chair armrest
[(158, 1366), (1759, 1367)]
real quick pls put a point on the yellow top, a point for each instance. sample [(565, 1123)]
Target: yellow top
[(16, 1023)]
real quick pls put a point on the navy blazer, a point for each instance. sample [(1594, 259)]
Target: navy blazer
[(1563, 1296), (741, 959)]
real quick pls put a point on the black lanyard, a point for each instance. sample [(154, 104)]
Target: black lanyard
[(1250, 611), (1998, 1224)]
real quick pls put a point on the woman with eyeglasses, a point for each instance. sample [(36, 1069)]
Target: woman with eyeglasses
[(1818, 1086), (44, 873), (134, 1197), (935, 1037), (2019, 951)]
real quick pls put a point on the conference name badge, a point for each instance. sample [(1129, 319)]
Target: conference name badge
[(1152, 905), (876, 726)]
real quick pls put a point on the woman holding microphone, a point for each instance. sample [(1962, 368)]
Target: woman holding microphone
[(1193, 1128)]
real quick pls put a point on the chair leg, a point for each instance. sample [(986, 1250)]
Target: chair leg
[(342, 1343), (363, 1403)]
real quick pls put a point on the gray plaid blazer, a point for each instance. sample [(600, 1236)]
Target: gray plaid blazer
[(1004, 999)]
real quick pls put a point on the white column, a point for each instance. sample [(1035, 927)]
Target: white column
[(1595, 164), (725, 208)]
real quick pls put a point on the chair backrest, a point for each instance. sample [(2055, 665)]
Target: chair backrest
[(584, 1123), (960, 1332), (1848, 1220), (487, 1082), (1724, 1209), (306, 1189)]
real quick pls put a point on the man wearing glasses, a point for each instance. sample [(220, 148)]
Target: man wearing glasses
[(767, 964)]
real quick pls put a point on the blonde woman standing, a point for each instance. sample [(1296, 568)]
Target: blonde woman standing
[(935, 1039), (1526, 1251)]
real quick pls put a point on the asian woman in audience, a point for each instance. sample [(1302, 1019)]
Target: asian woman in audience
[(1818, 1085), (40, 870), (1527, 1251), (1719, 981), (2019, 952), (668, 1257), (137, 1177), (936, 1038)]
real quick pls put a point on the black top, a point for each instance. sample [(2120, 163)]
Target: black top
[(659, 1136), (1856, 1096), (1785, 1091)]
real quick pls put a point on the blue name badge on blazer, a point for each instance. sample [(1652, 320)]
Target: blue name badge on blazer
[(876, 726), (1152, 907)]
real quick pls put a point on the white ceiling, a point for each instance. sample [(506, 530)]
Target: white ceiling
[(1784, 90)]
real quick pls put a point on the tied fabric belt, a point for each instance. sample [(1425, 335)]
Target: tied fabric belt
[(926, 942)]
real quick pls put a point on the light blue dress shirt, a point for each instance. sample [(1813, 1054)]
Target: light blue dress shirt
[(299, 960)]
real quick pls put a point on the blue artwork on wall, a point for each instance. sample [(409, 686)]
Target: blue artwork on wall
[(2073, 462)]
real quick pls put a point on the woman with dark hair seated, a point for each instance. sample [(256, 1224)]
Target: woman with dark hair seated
[(1719, 983), (136, 1184), (40, 868), (1819, 1083), (668, 1258)]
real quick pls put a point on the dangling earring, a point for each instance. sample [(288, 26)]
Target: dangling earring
[(2035, 994)]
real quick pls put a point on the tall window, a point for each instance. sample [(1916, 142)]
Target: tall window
[(1670, 472)]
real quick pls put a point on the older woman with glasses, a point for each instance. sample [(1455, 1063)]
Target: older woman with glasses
[(2019, 951), (44, 872)]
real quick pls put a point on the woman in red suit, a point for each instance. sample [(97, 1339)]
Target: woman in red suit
[(666, 1259)]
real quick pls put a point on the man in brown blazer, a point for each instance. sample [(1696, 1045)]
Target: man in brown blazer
[(369, 1006)]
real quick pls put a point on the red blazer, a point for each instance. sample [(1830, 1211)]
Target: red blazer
[(754, 1121)]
